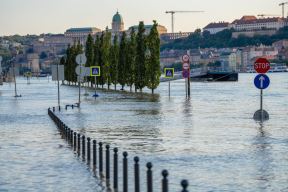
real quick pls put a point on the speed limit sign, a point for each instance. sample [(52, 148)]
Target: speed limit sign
[(185, 58)]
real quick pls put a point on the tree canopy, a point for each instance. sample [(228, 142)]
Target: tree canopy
[(223, 39)]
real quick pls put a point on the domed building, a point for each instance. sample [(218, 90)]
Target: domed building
[(117, 23)]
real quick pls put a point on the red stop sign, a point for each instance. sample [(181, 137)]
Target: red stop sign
[(262, 65)]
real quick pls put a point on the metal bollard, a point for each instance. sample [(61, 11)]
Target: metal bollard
[(115, 175), (184, 184), (79, 143), (53, 109), (83, 146), (71, 137), (64, 132), (88, 149), (165, 181), (94, 154), (137, 174), (149, 177), (107, 162), (68, 134), (75, 141), (100, 160), (125, 172), (59, 108)]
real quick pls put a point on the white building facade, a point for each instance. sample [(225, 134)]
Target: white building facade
[(251, 23)]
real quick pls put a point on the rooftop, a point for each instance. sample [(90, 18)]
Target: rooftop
[(217, 25), (252, 20), (84, 29), (117, 18)]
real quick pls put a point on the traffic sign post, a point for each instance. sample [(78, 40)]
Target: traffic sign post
[(95, 71), (186, 73), (169, 73), (80, 60), (261, 81), (262, 65)]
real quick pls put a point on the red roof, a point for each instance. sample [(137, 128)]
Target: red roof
[(248, 17), (217, 25), (250, 20)]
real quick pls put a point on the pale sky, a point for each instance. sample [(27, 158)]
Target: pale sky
[(55, 16)]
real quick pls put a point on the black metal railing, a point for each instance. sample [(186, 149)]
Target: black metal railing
[(74, 139)]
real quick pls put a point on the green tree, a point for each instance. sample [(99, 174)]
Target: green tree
[(140, 58), (114, 56), (100, 60), (68, 65), (97, 54), (153, 71), (122, 61), (89, 52), (106, 58), (131, 59)]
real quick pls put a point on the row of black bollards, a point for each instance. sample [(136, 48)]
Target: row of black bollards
[(84, 148)]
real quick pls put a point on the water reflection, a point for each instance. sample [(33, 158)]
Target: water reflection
[(263, 159), (187, 115), (187, 107)]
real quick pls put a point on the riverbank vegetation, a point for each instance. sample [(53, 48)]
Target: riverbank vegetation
[(224, 39)]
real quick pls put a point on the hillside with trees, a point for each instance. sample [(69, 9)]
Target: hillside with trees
[(223, 39)]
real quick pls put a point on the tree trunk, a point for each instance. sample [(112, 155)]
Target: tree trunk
[(152, 91), (130, 88), (115, 87)]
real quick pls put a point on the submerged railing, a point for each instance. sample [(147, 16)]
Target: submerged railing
[(95, 157)]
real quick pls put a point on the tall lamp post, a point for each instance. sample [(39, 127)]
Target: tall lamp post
[(58, 86), (14, 73)]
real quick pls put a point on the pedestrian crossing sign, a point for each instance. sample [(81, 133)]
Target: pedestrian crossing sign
[(169, 72), (95, 71)]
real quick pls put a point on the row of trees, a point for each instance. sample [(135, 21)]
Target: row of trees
[(223, 39), (128, 61)]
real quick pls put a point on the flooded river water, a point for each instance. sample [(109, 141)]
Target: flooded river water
[(210, 139)]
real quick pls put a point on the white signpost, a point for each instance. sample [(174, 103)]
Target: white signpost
[(82, 71), (58, 75), (81, 59)]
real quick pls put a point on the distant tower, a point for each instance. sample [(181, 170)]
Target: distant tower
[(33, 63), (117, 23)]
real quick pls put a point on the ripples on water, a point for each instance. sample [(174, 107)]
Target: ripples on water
[(211, 139), (32, 155)]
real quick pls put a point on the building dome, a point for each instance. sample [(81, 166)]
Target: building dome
[(117, 23), (117, 18)]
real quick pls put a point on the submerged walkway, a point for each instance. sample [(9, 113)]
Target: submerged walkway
[(33, 157)]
